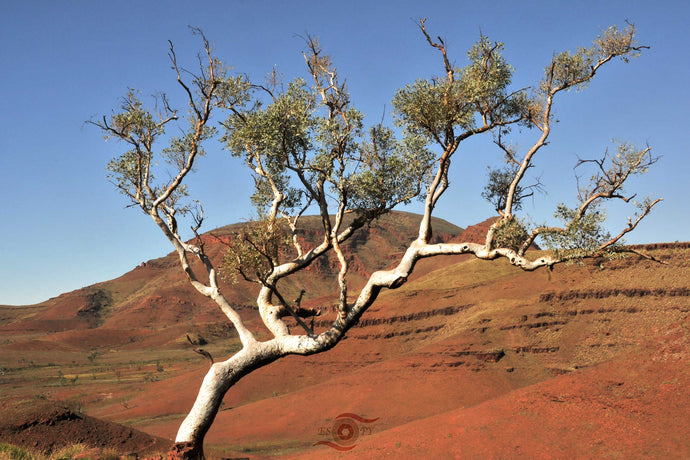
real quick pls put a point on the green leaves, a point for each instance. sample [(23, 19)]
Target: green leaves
[(253, 252), (275, 133), (389, 171), (569, 69), (134, 122), (232, 92), (615, 42), (496, 189), (612, 171), (178, 149), (431, 108), (487, 76), (436, 108), (575, 69), (510, 233), (274, 140), (295, 140), (582, 234)]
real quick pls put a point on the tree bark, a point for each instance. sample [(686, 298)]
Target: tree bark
[(218, 380)]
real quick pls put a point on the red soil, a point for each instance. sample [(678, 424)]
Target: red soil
[(46, 426), (469, 359)]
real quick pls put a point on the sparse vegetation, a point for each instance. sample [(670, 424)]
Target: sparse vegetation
[(93, 355), (10, 452), (480, 308)]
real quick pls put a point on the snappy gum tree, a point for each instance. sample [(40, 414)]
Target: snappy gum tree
[(308, 150)]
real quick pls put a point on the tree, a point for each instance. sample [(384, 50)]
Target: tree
[(308, 149)]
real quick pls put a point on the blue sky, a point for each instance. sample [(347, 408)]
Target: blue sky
[(64, 62)]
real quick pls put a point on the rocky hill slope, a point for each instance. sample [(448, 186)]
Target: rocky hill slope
[(468, 359)]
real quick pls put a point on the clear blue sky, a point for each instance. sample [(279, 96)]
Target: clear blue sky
[(63, 62)]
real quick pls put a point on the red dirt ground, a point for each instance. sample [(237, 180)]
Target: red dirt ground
[(46, 426), (469, 359), (630, 407)]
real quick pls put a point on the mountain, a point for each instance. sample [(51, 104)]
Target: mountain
[(469, 359), (156, 294)]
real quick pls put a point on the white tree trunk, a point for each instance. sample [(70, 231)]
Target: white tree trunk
[(219, 379)]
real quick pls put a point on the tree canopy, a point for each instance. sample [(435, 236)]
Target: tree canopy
[(309, 149)]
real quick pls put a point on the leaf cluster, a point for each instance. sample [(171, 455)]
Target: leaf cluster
[(498, 184), (393, 171), (302, 143), (271, 139), (436, 108), (510, 234), (582, 234), (253, 252), (575, 69)]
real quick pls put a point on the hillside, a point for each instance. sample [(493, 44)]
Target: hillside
[(469, 359), (156, 294)]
